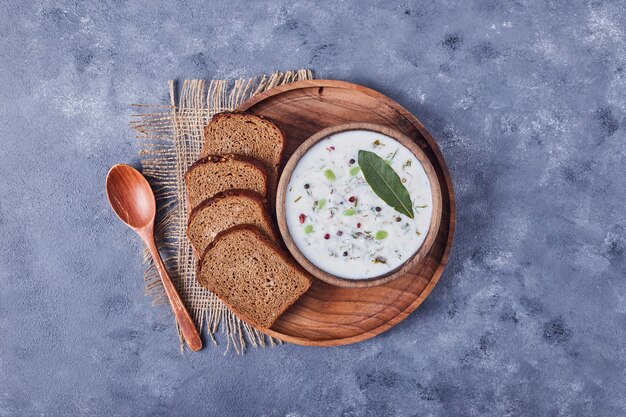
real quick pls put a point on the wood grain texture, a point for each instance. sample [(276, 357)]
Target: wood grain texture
[(411, 262), (133, 201), (328, 315)]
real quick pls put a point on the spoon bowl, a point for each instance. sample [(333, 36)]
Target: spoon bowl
[(130, 196), (133, 201)]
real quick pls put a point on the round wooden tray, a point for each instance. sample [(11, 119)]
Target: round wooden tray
[(327, 315)]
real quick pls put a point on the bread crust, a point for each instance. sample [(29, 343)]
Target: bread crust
[(253, 195), (235, 192), (267, 120), (218, 159), (277, 251)]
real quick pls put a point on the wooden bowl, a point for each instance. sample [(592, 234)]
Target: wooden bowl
[(401, 270)]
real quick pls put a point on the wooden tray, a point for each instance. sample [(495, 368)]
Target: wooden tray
[(327, 315)]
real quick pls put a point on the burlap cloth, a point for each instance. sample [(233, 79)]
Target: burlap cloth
[(171, 137)]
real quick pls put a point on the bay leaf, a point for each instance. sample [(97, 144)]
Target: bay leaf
[(385, 182)]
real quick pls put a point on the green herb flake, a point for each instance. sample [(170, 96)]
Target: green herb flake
[(297, 199), (308, 229), (379, 260), (330, 175), (355, 170), (380, 235), (349, 212), (320, 204), (385, 182)]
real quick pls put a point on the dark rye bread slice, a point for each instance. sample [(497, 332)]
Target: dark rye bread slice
[(248, 135), (216, 173), (225, 210), (251, 275)]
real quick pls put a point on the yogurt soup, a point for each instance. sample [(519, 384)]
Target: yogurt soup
[(339, 223)]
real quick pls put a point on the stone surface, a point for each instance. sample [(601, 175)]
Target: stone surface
[(527, 100)]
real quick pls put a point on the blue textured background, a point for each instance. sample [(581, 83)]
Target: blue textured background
[(527, 100)]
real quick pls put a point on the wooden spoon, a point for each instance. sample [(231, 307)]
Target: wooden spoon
[(132, 200)]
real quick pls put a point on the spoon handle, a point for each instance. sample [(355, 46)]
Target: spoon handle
[(185, 322)]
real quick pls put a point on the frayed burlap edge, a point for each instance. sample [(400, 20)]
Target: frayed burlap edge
[(171, 137)]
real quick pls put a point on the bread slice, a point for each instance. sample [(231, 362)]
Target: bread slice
[(216, 173), (224, 210), (248, 135), (251, 275)]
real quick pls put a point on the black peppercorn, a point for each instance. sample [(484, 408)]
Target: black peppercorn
[(352, 161), (345, 254), (378, 209), (306, 186)]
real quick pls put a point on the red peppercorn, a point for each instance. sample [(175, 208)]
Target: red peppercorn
[(352, 199), (302, 218), (332, 148), (358, 225), (326, 236)]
